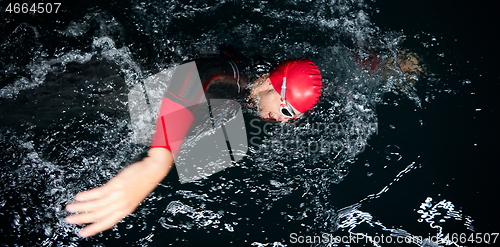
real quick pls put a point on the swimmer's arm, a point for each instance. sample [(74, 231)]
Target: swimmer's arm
[(106, 205)]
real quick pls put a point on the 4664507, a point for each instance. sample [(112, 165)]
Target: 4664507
[(35, 8)]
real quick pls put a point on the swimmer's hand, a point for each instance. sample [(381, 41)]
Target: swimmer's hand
[(410, 63), (106, 205)]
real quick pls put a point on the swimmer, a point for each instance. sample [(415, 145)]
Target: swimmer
[(285, 93), (274, 97)]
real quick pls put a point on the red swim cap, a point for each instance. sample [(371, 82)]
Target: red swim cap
[(303, 82)]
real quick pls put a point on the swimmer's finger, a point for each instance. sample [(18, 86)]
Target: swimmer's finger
[(103, 225), (88, 206), (92, 216), (92, 194)]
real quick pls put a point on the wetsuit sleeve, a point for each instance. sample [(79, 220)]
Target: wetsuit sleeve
[(172, 124), (177, 111), (371, 63)]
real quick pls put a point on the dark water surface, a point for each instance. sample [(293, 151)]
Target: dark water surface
[(416, 159)]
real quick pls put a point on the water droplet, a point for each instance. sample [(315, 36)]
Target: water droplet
[(393, 152)]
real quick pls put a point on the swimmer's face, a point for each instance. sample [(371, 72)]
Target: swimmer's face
[(268, 103)]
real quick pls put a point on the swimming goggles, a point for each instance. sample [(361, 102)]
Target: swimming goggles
[(285, 107)]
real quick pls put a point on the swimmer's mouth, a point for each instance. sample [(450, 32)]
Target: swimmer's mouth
[(269, 117)]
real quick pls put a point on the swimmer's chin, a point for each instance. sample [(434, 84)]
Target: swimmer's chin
[(269, 118)]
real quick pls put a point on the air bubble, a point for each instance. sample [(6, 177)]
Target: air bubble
[(393, 153)]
